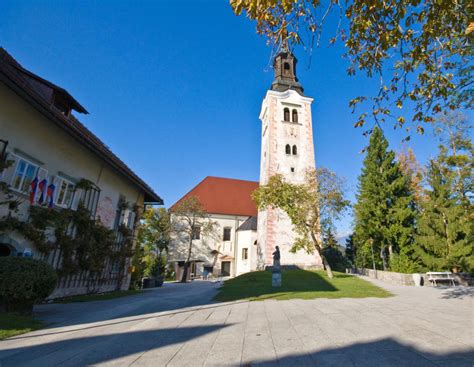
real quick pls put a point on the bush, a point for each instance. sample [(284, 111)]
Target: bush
[(23, 282), (401, 263)]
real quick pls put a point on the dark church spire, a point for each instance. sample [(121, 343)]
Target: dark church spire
[(284, 66)]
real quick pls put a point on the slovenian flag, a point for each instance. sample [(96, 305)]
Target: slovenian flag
[(42, 189), (33, 187), (50, 195)]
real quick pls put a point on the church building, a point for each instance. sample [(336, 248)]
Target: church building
[(287, 149)]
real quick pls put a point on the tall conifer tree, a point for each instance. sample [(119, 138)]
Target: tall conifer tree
[(446, 226), (384, 212)]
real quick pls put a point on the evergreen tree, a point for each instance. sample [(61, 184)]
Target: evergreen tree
[(350, 249), (332, 252), (446, 226), (445, 232), (385, 211)]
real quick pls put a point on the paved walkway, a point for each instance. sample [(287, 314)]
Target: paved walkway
[(177, 325)]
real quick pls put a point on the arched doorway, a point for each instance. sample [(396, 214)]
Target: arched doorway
[(5, 250)]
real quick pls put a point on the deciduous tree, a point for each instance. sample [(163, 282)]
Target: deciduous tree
[(189, 218), (312, 207), (153, 237), (420, 51)]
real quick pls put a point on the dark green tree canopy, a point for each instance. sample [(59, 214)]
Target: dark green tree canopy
[(384, 212)]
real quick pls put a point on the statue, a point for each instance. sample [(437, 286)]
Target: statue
[(276, 257), (276, 272)]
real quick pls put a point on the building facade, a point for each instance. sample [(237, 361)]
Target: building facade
[(231, 247), (50, 153)]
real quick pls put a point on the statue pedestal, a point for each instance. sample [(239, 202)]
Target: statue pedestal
[(276, 280)]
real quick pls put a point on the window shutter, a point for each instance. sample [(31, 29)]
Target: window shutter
[(76, 199), (131, 219), (124, 217), (7, 174)]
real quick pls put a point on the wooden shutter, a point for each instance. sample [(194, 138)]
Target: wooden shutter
[(131, 219), (76, 199)]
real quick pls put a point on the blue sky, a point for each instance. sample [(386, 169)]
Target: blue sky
[(175, 88)]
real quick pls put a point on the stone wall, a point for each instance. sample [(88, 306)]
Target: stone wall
[(406, 279), (386, 276)]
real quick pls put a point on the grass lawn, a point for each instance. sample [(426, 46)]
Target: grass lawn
[(12, 324), (297, 284), (97, 296)]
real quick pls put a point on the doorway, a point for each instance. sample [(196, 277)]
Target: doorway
[(225, 268)]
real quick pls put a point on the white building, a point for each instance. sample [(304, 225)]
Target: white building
[(231, 248), (287, 149), (51, 153)]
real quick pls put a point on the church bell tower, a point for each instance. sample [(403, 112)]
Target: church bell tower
[(287, 149)]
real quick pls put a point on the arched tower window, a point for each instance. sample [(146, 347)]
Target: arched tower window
[(288, 149), (295, 150), (286, 114), (295, 116)]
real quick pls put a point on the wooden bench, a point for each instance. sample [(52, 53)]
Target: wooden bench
[(443, 276)]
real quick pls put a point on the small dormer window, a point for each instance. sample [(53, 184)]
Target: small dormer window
[(294, 116), (286, 114)]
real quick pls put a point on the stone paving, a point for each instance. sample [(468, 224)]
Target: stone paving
[(178, 325)]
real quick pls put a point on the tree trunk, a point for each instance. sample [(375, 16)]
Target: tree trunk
[(185, 272), (383, 257), (188, 259), (318, 247), (327, 266)]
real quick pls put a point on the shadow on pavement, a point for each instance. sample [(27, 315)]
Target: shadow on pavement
[(458, 292), (171, 297), (101, 348), (384, 352)]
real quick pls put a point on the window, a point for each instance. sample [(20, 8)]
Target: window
[(288, 149), (295, 150), (286, 66), (65, 193), (25, 173), (292, 169), (196, 232), (286, 114), (227, 232), (245, 253), (294, 116)]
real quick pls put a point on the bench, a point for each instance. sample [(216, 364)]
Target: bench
[(443, 276)]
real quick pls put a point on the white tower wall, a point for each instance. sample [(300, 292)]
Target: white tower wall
[(274, 226)]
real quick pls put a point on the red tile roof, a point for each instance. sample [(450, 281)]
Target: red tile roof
[(11, 73), (225, 196)]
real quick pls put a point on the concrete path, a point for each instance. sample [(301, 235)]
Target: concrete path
[(178, 325)]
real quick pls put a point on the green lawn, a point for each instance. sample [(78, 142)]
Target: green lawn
[(97, 296), (297, 284), (12, 324)]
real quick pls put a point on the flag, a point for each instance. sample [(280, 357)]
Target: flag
[(42, 189), (33, 187), (50, 195)]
